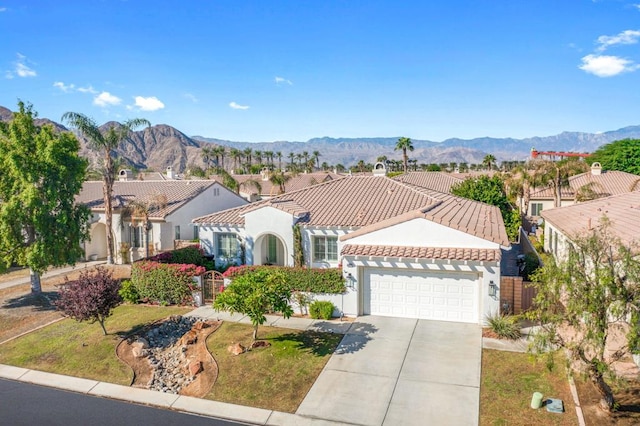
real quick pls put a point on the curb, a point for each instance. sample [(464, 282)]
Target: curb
[(576, 401)]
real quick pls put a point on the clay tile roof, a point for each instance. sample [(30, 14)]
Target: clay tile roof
[(376, 202), (473, 254), (611, 182), (268, 189), (437, 181), (622, 210), (176, 192)]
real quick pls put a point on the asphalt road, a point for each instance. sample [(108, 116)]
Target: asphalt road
[(27, 404)]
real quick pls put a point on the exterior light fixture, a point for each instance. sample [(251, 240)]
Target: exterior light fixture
[(493, 289)]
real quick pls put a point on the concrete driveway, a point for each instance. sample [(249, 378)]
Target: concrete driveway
[(398, 371)]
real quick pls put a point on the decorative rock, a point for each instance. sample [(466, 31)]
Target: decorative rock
[(195, 367), (236, 349), (260, 344), (201, 325), (189, 338)]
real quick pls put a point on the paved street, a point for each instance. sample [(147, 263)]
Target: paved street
[(28, 405)]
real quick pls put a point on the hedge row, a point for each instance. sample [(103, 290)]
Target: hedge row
[(190, 255), (165, 283), (312, 280)]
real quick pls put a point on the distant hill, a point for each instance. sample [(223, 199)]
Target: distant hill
[(161, 146)]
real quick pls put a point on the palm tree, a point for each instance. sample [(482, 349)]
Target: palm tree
[(105, 141), (280, 179), (316, 157), (248, 152), (236, 155), (291, 156), (279, 155), (218, 152), (556, 175), (404, 144), (489, 161), (268, 155), (207, 154), (258, 156)]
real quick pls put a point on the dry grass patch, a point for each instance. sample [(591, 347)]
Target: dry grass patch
[(277, 377), (508, 382), (80, 349)]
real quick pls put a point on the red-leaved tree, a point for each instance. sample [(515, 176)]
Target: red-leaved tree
[(91, 297)]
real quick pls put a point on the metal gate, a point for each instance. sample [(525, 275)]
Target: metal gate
[(212, 285)]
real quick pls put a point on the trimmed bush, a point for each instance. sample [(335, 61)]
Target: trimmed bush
[(165, 283), (321, 309), (310, 280), (128, 292), (506, 327), (193, 255)]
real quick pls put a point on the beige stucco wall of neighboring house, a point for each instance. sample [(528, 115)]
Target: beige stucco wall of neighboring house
[(547, 204)]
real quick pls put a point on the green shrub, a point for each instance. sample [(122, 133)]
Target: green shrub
[(321, 309), (505, 326), (189, 255), (531, 264), (128, 292), (310, 280), (165, 283)]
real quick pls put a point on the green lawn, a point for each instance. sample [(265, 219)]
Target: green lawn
[(80, 349), (275, 378), (508, 382)]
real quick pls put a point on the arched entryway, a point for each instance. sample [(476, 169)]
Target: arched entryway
[(96, 247), (269, 250)]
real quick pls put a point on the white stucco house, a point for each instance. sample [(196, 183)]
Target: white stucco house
[(181, 201), (404, 251), (564, 223)]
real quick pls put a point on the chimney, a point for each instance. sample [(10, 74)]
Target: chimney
[(170, 173), (379, 169), (125, 175), (596, 169)]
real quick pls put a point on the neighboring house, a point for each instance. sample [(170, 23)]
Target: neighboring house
[(174, 205), (405, 251), (590, 185), (259, 187), (438, 181), (564, 223)]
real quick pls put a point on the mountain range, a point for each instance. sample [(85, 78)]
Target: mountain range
[(161, 146)]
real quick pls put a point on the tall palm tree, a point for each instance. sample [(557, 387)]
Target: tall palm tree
[(291, 156), (279, 155), (269, 157), (106, 141), (258, 156), (236, 154), (316, 157), (248, 152), (405, 145), (489, 161), (217, 152), (280, 179), (207, 154), (556, 175)]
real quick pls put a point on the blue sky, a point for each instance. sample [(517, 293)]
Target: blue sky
[(293, 70)]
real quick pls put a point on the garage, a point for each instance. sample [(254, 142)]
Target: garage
[(444, 296)]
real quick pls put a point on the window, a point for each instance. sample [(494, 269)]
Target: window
[(135, 236), (272, 244), (177, 236), (227, 245), (216, 192), (325, 249), (536, 208), (196, 232)]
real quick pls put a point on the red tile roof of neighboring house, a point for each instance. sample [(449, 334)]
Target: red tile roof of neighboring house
[(610, 182), (375, 202), (474, 254), (622, 210), (175, 192), (437, 181)]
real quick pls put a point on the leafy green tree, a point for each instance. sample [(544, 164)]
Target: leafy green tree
[(405, 145), (490, 190), (41, 174), (92, 297), (105, 141), (623, 155), (255, 294), (489, 161), (585, 299)]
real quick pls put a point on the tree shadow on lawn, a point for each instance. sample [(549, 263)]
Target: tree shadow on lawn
[(314, 342), (44, 301)]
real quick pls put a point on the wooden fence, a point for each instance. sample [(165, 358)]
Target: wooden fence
[(516, 295)]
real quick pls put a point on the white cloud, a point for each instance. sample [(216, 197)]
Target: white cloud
[(282, 80), (105, 99), (237, 106), (148, 104), (191, 97), (625, 37), (21, 69), (64, 87), (606, 66), (3, 9), (88, 89)]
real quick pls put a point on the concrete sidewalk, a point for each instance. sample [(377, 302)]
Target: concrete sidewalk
[(52, 273)]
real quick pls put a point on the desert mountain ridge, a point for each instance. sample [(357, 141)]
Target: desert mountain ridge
[(162, 145)]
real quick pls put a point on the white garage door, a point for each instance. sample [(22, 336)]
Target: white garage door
[(410, 294)]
